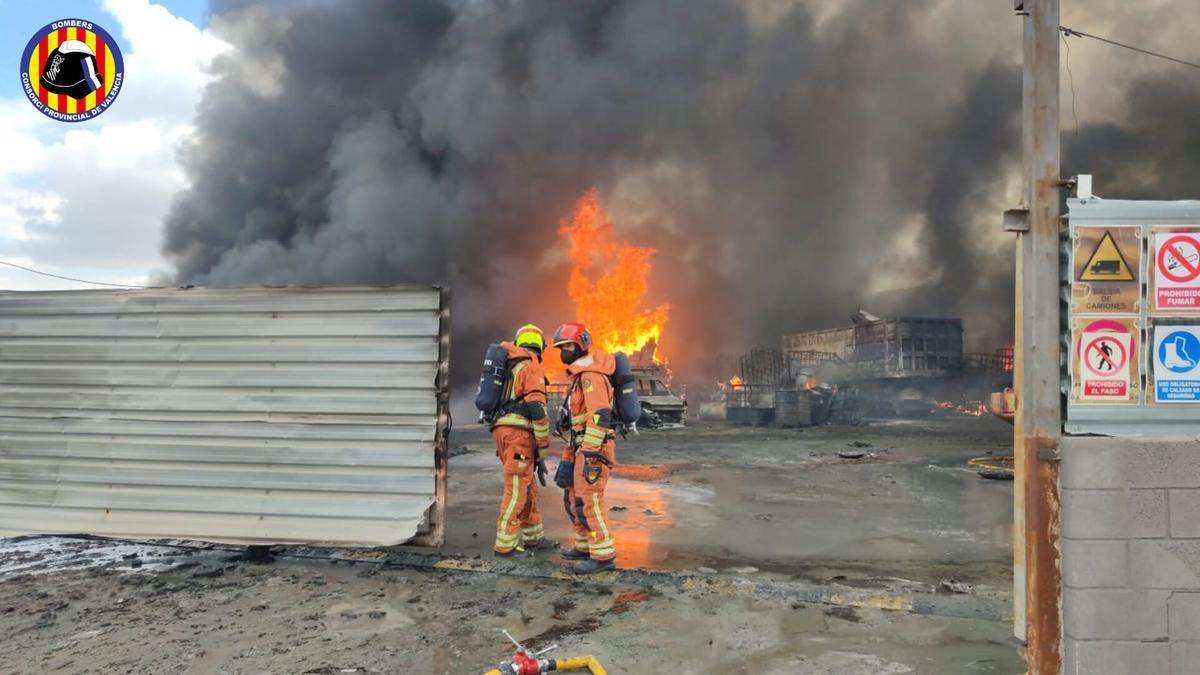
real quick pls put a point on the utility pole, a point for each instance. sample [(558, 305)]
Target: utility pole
[(1037, 374)]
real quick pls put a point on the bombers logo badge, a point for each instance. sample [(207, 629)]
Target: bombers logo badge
[(71, 70)]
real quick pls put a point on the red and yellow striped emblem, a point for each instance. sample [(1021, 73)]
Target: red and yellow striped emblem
[(101, 66), (104, 65)]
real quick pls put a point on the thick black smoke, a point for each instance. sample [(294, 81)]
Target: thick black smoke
[(1153, 152), (789, 163)]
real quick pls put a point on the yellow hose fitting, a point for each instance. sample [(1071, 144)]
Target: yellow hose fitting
[(580, 663)]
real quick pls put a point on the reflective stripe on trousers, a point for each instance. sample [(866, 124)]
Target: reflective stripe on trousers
[(584, 504), (519, 514)]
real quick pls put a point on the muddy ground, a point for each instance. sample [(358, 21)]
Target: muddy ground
[(775, 555)]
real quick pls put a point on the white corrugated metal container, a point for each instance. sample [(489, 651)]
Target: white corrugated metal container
[(255, 415)]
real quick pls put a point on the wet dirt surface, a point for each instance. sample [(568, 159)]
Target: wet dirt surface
[(783, 501), (718, 502), (206, 613)]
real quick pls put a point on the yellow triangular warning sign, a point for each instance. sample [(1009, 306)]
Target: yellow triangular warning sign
[(1106, 263)]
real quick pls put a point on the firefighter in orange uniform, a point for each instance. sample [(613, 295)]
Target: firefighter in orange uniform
[(590, 454), (522, 432)]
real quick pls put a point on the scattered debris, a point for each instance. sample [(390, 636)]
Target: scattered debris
[(258, 555), (555, 633), (953, 586), (851, 454), (859, 444), (994, 468), (844, 613), (626, 598), (561, 607)]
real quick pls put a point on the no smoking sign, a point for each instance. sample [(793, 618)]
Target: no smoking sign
[(1177, 271)]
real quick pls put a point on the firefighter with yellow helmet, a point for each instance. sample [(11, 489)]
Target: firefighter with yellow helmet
[(521, 430)]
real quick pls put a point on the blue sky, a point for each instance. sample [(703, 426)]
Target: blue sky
[(19, 19), (88, 199)]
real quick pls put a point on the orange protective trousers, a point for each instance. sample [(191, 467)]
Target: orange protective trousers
[(519, 515), (584, 503)]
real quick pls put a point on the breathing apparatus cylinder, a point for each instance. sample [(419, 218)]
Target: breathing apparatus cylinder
[(626, 405), (490, 394)]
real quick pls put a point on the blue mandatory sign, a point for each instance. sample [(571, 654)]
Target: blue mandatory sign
[(1177, 365), (1179, 352)]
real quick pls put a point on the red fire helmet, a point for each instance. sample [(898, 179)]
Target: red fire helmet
[(573, 332)]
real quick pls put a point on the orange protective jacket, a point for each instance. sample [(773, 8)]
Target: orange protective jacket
[(591, 402), (525, 396)]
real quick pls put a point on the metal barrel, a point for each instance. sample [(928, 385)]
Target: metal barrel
[(787, 408)]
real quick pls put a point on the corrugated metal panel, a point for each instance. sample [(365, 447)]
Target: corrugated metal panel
[(246, 415)]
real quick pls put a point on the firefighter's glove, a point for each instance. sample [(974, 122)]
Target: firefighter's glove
[(541, 472), (564, 477)]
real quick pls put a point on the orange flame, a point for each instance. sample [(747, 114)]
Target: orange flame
[(736, 382), (608, 282)]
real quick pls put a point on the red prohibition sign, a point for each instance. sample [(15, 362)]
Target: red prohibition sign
[(1171, 246), (1104, 358)]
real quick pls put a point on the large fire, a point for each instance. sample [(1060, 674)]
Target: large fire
[(608, 283)]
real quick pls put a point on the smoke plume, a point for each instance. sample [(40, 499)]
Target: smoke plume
[(790, 161)]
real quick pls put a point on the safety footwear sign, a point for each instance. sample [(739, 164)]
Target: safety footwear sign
[(1176, 364), (1177, 271), (1104, 364), (1107, 262)]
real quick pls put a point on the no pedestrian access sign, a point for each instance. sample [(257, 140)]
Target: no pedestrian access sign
[(1177, 271), (1103, 363)]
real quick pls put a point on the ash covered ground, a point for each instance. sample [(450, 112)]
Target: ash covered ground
[(768, 553)]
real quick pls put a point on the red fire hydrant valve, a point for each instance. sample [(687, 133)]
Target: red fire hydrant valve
[(526, 664)]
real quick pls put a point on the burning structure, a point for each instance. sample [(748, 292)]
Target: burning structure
[(890, 349), (907, 365)]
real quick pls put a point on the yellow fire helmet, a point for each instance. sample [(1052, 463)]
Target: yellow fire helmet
[(530, 336)]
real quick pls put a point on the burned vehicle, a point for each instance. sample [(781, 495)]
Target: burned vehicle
[(661, 408)]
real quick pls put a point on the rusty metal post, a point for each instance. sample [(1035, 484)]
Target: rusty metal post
[(1037, 376)]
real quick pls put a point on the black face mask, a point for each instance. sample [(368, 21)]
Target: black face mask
[(569, 353)]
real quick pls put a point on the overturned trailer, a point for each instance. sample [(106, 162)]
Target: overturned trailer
[(252, 415)]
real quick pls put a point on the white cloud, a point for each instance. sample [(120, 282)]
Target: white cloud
[(88, 199)]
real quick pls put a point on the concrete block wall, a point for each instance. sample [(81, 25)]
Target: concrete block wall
[(1130, 555)]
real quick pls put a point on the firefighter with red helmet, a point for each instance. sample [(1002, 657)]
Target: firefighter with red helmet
[(521, 433), (588, 416)]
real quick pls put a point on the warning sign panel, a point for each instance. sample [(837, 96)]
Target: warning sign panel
[(1177, 364), (1107, 266), (1177, 271), (1104, 362)]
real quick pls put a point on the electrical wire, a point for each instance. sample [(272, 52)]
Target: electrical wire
[(1078, 33), (59, 276), (1071, 79)]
